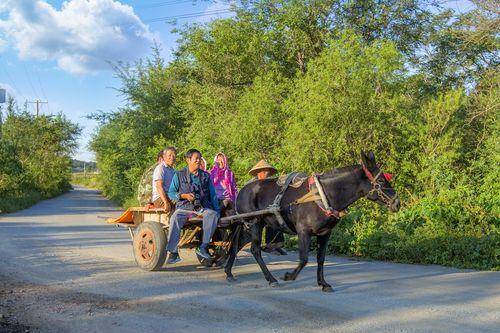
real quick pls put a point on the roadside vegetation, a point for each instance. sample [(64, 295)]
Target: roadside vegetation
[(34, 156), (307, 85), (87, 179)]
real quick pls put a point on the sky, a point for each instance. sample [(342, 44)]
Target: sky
[(59, 51)]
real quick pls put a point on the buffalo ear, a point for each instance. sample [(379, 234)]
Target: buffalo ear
[(364, 158), (371, 157)]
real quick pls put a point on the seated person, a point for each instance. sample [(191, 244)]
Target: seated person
[(162, 177), (203, 164), (274, 238), (191, 187), (262, 170), (224, 182)]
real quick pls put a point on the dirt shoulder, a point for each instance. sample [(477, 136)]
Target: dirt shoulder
[(30, 307)]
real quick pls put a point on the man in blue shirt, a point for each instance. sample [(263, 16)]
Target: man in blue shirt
[(192, 190), (162, 177)]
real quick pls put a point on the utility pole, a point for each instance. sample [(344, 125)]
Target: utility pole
[(2, 100), (37, 102)]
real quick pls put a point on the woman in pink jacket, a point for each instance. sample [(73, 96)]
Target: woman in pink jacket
[(224, 182)]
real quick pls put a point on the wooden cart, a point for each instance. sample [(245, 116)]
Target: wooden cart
[(148, 230)]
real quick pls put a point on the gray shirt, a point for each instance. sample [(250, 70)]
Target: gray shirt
[(164, 173)]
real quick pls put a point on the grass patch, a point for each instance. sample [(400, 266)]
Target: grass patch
[(88, 180), (19, 201)]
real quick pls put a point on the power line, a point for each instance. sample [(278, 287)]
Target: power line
[(41, 87), (29, 81), (14, 85), (164, 3), (188, 15)]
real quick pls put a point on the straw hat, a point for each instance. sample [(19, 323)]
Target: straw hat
[(262, 165)]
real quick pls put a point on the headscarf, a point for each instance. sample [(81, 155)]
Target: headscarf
[(204, 167), (223, 179)]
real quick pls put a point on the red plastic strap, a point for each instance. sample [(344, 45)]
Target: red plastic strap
[(368, 174), (310, 181), (329, 213)]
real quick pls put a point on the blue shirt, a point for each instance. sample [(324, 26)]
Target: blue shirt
[(164, 173), (173, 191)]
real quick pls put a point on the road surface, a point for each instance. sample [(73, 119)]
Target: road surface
[(63, 270)]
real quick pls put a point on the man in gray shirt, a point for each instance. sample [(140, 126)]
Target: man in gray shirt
[(162, 177)]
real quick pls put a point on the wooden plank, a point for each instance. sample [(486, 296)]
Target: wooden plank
[(145, 209), (134, 216), (250, 214)]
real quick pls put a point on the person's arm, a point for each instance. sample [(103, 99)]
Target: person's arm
[(233, 183), (161, 192), (158, 183), (213, 197), (173, 190)]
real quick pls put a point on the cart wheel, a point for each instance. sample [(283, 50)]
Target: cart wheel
[(149, 246)]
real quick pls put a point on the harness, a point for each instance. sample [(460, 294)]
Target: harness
[(317, 194), (276, 205), (377, 185)]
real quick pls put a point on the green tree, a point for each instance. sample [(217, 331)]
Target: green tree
[(345, 102), (461, 48), (34, 157), (306, 85), (123, 144)]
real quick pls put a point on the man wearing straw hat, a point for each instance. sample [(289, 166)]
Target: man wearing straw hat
[(274, 238), (262, 170)]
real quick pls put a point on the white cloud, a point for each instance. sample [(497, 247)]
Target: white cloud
[(81, 37)]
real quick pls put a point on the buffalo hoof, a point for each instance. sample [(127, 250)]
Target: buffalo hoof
[(327, 289), (288, 277), (230, 279), (274, 284)]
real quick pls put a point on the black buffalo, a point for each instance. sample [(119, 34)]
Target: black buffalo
[(342, 188)]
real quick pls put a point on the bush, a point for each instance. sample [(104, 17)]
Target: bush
[(34, 157), (306, 86), (89, 180)]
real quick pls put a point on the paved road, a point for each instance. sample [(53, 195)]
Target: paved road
[(63, 269)]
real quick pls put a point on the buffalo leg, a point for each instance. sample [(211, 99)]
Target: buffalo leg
[(304, 243), (256, 251), (322, 245), (235, 248)]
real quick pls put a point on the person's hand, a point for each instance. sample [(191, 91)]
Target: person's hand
[(188, 196), (166, 206)]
